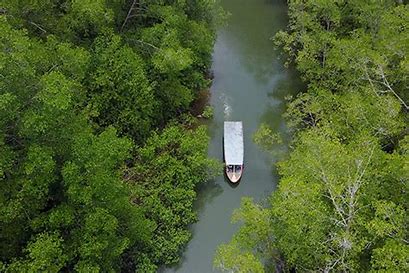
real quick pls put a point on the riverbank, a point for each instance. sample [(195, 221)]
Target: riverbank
[(341, 204), (250, 84)]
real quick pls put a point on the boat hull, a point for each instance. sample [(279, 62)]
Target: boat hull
[(233, 150), (234, 176)]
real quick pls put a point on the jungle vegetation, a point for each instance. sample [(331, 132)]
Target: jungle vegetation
[(99, 157), (342, 201)]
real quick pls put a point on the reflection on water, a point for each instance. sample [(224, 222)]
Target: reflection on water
[(208, 192), (250, 84)]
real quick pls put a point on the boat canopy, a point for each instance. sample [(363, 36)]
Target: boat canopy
[(233, 143)]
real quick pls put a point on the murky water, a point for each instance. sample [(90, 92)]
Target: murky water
[(250, 83)]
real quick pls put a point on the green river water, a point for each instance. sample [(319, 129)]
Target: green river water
[(250, 84)]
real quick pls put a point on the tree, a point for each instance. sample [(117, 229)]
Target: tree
[(45, 254), (61, 183), (164, 178), (120, 92), (251, 244), (78, 92)]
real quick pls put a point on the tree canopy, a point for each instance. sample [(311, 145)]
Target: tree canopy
[(99, 158)]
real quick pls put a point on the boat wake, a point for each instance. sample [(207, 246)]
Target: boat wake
[(226, 106)]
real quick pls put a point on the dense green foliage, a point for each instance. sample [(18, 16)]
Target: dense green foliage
[(99, 160), (163, 181), (342, 202)]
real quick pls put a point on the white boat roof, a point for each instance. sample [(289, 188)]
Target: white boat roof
[(233, 143)]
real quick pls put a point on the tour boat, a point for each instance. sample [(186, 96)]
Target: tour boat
[(233, 147)]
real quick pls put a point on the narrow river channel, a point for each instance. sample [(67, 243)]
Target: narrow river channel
[(250, 83)]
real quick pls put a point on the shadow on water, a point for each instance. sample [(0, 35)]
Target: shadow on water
[(206, 194), (285, 88)]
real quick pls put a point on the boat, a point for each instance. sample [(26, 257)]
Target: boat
[(233, 147)]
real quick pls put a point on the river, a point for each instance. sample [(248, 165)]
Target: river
[(250, 84)]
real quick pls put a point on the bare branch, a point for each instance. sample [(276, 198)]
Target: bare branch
[(38, 26), (386, 83), (144, 43), (370, 81), (128, 16)]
